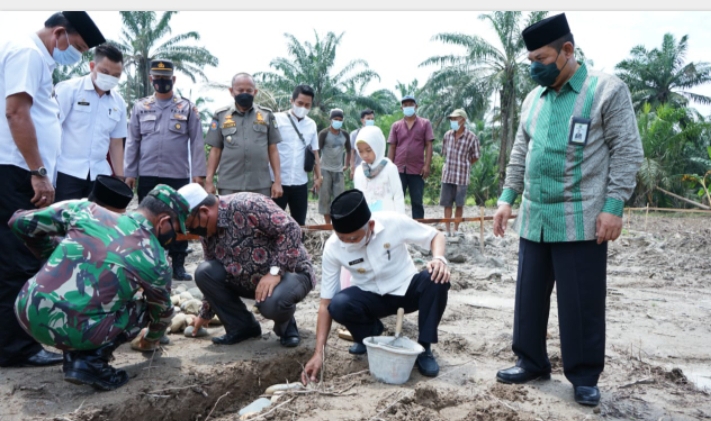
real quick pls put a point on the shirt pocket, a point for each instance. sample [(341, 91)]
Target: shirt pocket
[(229, 137), (147, 123), (178, 124), (260, 133), (81, 108)]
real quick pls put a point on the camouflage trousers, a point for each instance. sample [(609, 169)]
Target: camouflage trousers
[(73, 331)]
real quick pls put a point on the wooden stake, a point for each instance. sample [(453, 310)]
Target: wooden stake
[(481, 230), (629, 218), (646, 218)]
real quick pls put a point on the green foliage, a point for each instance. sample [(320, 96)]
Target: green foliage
[(312, 64), (143, 40), (660, 76)]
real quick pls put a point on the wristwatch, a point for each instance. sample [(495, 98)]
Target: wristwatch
[(275, 270), (443, 259), (41, 171)]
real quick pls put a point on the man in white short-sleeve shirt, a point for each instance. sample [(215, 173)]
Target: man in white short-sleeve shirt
[(373, 248), (93, 118), (30, 138), (294, 179)]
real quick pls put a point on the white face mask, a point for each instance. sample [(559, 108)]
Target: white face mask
[(300, 112), (359, 245), (105, 82)]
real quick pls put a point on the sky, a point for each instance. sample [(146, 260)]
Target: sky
[(394, 43)]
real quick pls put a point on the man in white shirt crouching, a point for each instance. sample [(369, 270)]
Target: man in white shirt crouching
[(383, 278)]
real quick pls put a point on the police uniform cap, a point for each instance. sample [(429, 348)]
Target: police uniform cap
[(162, 67), (110, 191), (349, 212), (545, 32), (85, 27)]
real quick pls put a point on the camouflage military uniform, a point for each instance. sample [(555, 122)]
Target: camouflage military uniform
[(85, 295)]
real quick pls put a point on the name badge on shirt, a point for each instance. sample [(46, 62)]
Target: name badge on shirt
[(579, 128), (355, 262), (84, 103)]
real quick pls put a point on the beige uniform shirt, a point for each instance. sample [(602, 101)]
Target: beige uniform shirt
[(244, 139)]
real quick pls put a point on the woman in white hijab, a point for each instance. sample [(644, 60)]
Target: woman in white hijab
[(377, 176)]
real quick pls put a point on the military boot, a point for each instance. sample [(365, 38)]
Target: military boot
[(92, 367), (179, 273)]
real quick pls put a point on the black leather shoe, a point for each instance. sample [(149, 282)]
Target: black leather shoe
[(43, 358), (427, 365), (518, 375), (291, 337), (179, 274), (92, 368), (587, 395), (237, 337), (359, 348)]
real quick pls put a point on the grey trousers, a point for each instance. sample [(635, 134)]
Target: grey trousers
[(224, 298), (333, 185)]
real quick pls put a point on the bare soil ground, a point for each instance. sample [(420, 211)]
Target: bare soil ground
[(657, 358)]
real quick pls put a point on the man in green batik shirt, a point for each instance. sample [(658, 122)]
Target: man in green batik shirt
[(85, 300), (574, 161)]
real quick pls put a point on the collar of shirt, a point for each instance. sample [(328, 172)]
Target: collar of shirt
[(48, 59), (234, 109), (223, 219), (575, 83)]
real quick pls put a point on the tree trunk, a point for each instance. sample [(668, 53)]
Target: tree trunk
[(507, 115)]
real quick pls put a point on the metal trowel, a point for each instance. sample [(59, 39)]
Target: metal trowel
[(398, 341)]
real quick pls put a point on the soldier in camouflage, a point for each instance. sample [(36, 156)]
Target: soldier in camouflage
[(85, 299)]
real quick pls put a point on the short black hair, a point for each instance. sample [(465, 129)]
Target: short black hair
[(243, 74), (58, 19), (109, 51), (558, 44), (366, 112), (303, 89), (156, 207), (208, 201)]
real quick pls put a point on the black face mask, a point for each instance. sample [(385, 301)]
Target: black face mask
[(166, 238), (163, 86), (244, 100), (200, 230)]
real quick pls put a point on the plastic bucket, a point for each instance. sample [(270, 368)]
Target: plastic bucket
[(389, 364)]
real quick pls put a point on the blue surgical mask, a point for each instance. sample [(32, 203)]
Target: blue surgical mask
[(454, 125), (336, 124), (409, 111), (545, 74), (67, 57), (369, 123)]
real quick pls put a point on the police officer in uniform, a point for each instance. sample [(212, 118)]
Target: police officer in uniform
[(162, 128), (244, 139), (30, 139)]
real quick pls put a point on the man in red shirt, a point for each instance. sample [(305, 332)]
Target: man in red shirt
[(411, 150)]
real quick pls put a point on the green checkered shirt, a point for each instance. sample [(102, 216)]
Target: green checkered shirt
[(566, 185)]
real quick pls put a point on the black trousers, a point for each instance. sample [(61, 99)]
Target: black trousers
[(358, 310), (297, 197), (578, 269), (178, 249), (17, 265), (416, 184), (224, 298), (69, 187)]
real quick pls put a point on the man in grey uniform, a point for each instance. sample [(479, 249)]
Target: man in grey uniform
[(244, 139), (161, 127)]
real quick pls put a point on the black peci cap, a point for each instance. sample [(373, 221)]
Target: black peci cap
[(110, 191), (85, 27), (545, 31), (349, 212)]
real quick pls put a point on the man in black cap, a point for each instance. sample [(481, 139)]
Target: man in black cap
[(163, 127), (574, 188), (383, 278), (111, 193), (30, 139)]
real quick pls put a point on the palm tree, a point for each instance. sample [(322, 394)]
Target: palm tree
[(468, 80), (660, 76), (312, 64), (140, 37)]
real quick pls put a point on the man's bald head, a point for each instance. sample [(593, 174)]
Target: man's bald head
[(243, 77)]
